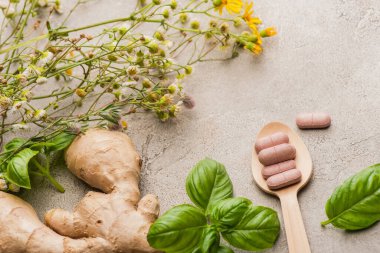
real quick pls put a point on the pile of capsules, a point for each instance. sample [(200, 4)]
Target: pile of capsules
[(277, 154)]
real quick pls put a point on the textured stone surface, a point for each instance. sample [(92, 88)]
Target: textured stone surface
[(326, 57)]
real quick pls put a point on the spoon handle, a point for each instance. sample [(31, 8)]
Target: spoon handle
[(294, 227)]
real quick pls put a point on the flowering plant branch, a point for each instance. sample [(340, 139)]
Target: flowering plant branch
[(65, 80)]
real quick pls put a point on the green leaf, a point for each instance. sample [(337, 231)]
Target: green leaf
[(17, 168), (223, 249), (258, 229), (59, 142), (356, 203), (14, 144), (227, 213), (179, 230), (208, 183), (210, 240)]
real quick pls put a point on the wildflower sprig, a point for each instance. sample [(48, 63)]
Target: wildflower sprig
[(73, 78)]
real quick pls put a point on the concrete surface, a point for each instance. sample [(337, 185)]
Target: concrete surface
[(326, 57)]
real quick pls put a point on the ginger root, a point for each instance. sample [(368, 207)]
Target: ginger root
[(114, 221)]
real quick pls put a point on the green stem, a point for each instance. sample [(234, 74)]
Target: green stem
[(54, 182), (46, 174)]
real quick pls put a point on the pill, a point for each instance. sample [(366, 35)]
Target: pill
[(277, 154), (274, 169), (313, 120), (283, 179), (271, 140)]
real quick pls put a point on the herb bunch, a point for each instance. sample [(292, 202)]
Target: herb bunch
[(69, 79)]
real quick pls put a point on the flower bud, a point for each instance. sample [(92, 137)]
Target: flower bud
[(153, 47), (213, 23), (183, 18), (173, 4), (172, 89), (80, 93), (157, 2), (166, 13), (146, 83), (112, 57), (159, 36), (254, 48), (194, 24), (188, 70), (238, 21), (217, 3), (224, 28), (268, 32)]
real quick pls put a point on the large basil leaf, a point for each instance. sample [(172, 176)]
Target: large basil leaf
[(179, 230), (258, 229), (207, 183), (60, 142), (17, 168), (356, 203), (227, 213)]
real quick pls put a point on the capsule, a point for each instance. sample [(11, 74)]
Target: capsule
[(277, 154), (271, 140), (313, 120), (274, 169), (283, 179)]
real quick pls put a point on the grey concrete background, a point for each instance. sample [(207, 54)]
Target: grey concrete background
[(326, 57)]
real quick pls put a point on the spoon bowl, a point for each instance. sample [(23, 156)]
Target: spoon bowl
[(294, 227)]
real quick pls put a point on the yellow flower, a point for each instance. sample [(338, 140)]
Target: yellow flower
[(268, 32), (254, 48), (252, 21), (232, 6)]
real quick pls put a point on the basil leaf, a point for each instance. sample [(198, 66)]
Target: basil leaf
[(210, 240), (14, 144), (258, 229), (207, 183), (356, 203), (179, 230), (17, 168), (223, 249), (59, 142), (227, 213)]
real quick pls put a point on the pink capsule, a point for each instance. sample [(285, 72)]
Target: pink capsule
[(313, 120), (271, 140), (277, 154), (283, 179), (274, 169)]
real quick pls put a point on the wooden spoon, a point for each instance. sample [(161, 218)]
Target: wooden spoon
[(294, 227)]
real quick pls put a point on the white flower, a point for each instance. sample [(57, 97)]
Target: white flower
[(168, 43), (5, 102), (39, 114), (17, 105), (45, 58), (133, 70), (20, 126), (41, 80)]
